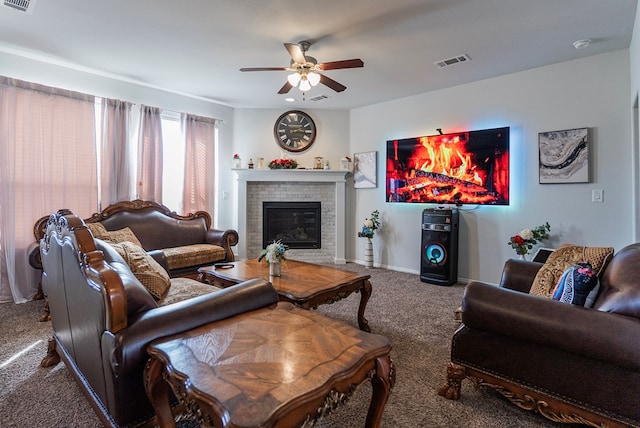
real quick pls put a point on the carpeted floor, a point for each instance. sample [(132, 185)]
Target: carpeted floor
[(416, 317)]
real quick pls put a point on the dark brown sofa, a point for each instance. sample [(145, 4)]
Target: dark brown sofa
[(181, 244), (569, 363), (103, 318)]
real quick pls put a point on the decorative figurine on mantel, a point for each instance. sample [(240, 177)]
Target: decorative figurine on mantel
[(237, 162)]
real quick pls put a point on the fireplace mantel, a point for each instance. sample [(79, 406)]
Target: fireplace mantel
[(309, 175), (339, 177)]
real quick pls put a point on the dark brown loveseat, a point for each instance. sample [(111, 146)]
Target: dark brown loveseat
[(103, 318), (570, 363)]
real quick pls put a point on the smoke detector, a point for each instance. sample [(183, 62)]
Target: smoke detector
[(581, 44), (21, 5)]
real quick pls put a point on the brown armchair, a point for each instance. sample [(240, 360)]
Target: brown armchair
[(103, 318), (569, 363)]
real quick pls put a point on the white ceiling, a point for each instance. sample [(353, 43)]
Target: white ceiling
[(196, 47)]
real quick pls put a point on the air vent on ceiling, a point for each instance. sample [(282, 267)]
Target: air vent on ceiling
[(319, 98), (21, 5), (454, 60)]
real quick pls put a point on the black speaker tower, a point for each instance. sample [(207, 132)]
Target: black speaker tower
[(439, 260)]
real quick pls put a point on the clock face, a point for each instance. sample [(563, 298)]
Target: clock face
[(295, 131)]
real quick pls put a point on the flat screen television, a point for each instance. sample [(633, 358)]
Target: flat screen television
[(469, 167)]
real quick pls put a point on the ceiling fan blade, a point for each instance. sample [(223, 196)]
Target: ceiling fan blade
[(296, 53), (263, 69), (286, 88), (338, 87), (347, 63)]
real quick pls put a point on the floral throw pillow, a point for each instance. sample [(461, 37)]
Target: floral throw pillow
[(577, 285)]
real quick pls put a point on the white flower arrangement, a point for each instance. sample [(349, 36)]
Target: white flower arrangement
[(275, 252)]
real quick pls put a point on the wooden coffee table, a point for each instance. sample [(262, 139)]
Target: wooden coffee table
[(274, 367), (306, 285)]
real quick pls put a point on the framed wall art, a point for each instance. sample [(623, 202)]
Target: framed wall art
[(564, 156), (365, 170)]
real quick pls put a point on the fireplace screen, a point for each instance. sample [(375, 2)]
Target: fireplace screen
[(296, 224)]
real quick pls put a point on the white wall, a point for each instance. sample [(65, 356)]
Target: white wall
[(591, 92), (634, 55)]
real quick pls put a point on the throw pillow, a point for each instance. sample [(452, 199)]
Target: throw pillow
[(97, 229), (145, 268), (576, 284), (121, 235), (562, 259)]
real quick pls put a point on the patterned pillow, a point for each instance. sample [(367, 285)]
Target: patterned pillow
[(562, 259), (121, 235), (97, 229), (576, 285), (145, 268)]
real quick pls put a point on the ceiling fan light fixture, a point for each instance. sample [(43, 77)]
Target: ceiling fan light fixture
[(314, 78), (294, 79), (304, 84)]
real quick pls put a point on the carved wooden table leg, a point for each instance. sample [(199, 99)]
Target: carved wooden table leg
[(382, 382), (365, 293), (158, 392)]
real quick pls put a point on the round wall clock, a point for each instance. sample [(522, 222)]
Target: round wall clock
[(294, 131)]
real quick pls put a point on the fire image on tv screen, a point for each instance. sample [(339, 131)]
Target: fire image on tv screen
[(469, 167)]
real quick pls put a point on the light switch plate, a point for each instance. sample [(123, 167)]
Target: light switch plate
[(597, 195)]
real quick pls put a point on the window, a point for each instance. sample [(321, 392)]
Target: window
[(173, 165)]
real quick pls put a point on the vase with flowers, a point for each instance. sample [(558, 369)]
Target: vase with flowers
[(524, 241), (369, 228), (274, 255)]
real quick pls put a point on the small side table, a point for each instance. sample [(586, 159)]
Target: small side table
[(274, 367)]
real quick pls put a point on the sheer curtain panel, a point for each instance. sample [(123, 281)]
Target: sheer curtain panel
[(115, 163), (47, 162), (149, 185), (199, 169)]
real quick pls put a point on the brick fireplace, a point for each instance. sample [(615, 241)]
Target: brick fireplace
[(255, 186)]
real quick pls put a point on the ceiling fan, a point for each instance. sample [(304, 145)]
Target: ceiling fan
[(306, 72)]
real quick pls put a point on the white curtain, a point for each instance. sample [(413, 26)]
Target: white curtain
[(47, 162), (115, 163), (149, 179), (199, 169)]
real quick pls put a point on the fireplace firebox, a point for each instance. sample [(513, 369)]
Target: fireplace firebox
[(296, 224)]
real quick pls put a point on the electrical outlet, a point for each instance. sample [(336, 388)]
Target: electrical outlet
[(225, 194), (597, 195)]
